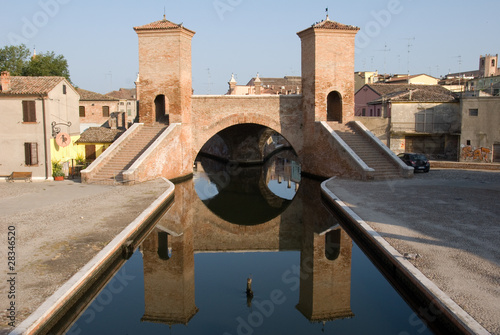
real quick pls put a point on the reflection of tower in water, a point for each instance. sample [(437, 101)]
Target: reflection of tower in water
[(169, 274)]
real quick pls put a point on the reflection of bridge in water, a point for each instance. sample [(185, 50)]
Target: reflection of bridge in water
[(189, 227)]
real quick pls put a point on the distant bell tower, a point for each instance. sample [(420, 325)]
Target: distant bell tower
[(488, 65), (165, 83), (328, 71)]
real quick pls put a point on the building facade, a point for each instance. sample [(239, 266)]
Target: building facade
[(96, 110), (412, 118), (35, 111), (127, 103), (480, 129)]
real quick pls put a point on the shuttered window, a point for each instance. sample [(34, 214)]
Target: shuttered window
[(105, 111), (82, 111), (31, 153), (29, 111)]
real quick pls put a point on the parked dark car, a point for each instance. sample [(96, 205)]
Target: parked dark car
[(420, 162)]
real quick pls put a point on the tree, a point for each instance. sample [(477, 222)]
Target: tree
[(47, 64), (14, 59)]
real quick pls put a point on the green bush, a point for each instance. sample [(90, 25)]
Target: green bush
[(57, 170)]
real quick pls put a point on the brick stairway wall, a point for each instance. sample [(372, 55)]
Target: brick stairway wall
[(125, 155), (368, 152)]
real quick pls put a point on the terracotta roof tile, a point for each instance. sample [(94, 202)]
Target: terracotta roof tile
[(157, 25), (419, 93), (99, 135), (329, 24), (93, 96), (32, 85), (124, 93)]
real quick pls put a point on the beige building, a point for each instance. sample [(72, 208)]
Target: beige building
[(480, 139), (365, 77), (266, 86), (412, 118), (96, 109), (34, 111), (417, 79), (127, 103)]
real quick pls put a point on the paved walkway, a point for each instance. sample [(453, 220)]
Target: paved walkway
[(60, 227), (450, 218)]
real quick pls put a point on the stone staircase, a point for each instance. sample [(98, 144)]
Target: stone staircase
[(368, 152), (111, 171)]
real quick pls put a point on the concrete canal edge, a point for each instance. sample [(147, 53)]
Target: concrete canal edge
[(118, 248), (440, 307)]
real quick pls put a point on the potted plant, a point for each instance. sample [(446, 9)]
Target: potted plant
[(57, 170)]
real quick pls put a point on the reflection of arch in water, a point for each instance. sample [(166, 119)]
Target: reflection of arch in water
[(243, 197)]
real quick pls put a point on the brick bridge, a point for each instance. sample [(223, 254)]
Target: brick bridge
[(175, 124)]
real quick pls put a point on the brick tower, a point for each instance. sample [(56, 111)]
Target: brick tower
[(164, 83), (328, 71)]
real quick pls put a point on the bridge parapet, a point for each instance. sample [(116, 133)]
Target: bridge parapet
[(406, 171), (162, 158), (90, 172), (358, 166)]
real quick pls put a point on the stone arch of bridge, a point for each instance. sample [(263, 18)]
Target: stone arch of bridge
[(238, 119)]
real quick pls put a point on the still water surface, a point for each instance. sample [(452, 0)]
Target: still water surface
[(229, 224)]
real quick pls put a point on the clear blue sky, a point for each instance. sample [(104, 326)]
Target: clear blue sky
[(249, 36)]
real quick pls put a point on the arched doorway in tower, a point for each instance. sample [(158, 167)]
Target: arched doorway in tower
[(161, 109), (334, 107)]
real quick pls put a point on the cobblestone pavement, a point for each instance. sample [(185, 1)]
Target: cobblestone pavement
[(451, 219)]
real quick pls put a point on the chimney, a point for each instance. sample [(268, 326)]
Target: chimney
[(5, 81)]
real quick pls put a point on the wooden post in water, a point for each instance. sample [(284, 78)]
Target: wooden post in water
[(249, 292)]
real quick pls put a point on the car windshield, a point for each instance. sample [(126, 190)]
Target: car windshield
[(419, 157)]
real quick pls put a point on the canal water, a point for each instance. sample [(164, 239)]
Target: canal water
[(233, 224)]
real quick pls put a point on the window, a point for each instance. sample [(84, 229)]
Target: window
[(122, 103), (468, 142), (129, 112), (64, 89), (82, 111), (473, 112), (105, 111), (363, 112), (29, 111), (31, 153), (378, 112), (424, 120), (492, 62)]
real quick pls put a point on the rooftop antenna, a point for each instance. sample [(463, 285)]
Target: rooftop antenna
[(459, 69), (384, 50), (410, 39), (164, 13)]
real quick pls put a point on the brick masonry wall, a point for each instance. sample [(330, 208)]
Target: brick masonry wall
[(165, 68), (93, 111)]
